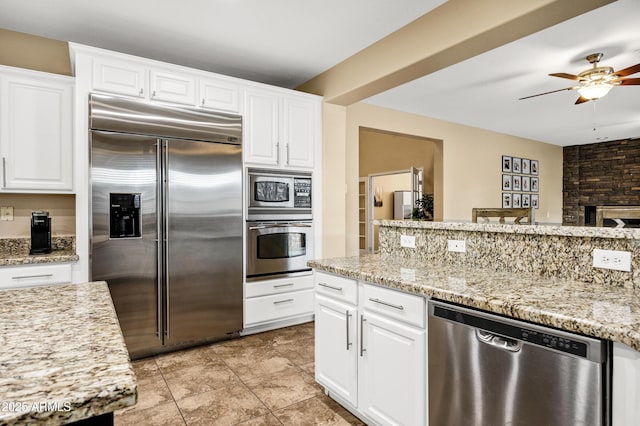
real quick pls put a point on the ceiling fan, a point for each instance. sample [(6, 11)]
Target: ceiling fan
[(596, 82)]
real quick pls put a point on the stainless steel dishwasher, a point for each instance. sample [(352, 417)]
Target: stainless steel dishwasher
[(485, 369)]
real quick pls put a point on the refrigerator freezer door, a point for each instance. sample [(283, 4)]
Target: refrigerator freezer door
[(203, 183), (126, 164)]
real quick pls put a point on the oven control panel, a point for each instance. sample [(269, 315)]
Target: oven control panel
[(302, 193)]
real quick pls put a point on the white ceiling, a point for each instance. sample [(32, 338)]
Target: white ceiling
[(279, 42), (287, 42), (483, 91)]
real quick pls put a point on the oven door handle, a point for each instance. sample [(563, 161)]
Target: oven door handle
[(280, 225)]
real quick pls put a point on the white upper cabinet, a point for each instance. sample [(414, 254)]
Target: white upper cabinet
[(172, 87), (219, 94), (261, 128), (122, 77), (36, 130), (281, 129)]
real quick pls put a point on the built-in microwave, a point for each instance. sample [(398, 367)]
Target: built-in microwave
[(275, 193)]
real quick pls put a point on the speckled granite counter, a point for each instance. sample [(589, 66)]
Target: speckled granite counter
[(15, 251), (598, 310), (62, 355)]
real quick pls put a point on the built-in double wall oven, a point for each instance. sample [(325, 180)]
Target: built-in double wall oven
[(279, 226)]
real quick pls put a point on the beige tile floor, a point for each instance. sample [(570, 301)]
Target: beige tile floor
[(262, 379)]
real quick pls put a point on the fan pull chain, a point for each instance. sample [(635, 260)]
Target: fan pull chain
[(594, 115)]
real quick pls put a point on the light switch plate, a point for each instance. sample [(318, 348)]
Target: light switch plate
[(6, 213), (612, 259), (408, 241)]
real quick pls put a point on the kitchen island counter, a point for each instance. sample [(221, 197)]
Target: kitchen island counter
[(63, 358), (594, 309)]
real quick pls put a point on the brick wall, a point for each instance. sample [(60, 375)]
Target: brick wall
[(606, 173)]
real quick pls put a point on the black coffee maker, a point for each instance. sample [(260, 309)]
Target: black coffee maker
[(40, 233)]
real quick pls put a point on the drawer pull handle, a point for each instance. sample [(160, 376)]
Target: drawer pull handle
[(282, 285), (330, 286), (391, 305), (277, 302), (348, 315), (24, 277)]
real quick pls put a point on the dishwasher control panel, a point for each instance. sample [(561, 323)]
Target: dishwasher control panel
[(504, 329)]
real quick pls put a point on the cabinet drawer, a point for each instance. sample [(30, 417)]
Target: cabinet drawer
[(278, 307), (341, 288), (279, 285), (31, 276), (394, 304)]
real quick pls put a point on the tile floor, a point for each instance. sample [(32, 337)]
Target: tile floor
[(263, 379)]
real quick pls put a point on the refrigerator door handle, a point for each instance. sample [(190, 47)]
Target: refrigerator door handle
[(165, 232), (159, 241)]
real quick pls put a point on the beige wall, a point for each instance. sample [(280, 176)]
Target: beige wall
[(468, 159), (61, 209), (388, 184), (384, 152), (37, 53)]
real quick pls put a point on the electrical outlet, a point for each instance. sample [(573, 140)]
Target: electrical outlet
[(6, 213), (612, 259), (408, 241), (457, 245)]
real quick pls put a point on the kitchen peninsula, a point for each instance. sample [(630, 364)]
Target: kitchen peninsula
[(540, 274), (63, 358)]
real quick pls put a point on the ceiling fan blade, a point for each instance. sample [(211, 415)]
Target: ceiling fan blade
[(565, 75), (630, 82), (546, 93), (581, 100), (629, 70)]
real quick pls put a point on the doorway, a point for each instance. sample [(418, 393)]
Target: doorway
[(384, 158)]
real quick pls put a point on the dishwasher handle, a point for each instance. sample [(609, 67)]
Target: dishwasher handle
[(497, 341)]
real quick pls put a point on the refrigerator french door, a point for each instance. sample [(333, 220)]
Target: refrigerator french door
[(167, 237)]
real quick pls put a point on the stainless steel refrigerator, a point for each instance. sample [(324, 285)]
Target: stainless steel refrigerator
[(166, 202)]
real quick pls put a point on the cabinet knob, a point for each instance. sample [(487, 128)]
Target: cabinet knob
[(202, 101), (153, 94), (141, 92)]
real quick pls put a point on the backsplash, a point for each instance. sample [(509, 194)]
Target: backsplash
[(546, 251), (61, 208)]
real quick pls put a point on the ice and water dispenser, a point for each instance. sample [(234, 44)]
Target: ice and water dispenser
[(124, 215)]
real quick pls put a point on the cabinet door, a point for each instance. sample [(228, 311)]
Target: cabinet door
[(336, 345), (172, 87), (261, 145), (392, 372), (115, 76), (36, 135), (219, 94), (300, 118)]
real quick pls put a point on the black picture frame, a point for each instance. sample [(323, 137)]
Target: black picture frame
[(506, 200), (526, 166), (535, 167), (506, 164), (506, 182), (516, 165)]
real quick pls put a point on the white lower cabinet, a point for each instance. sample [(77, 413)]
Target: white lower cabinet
[(626, 386), (276, 300), (371, 350)]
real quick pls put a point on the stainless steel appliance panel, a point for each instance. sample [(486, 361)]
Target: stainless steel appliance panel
[(204, 240), (479, 374), (123, 163), (164, 121)]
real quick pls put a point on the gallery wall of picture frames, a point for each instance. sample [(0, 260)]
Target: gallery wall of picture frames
[(520, 182)]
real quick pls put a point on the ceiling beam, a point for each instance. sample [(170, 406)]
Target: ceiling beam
[(451, 33)]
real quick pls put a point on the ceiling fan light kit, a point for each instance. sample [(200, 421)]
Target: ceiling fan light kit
[(596, 82), (594, 91)]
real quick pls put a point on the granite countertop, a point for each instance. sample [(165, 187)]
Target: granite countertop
[(62, 356), (565, 231), (598, 310), (15, 251), (24, 258)]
